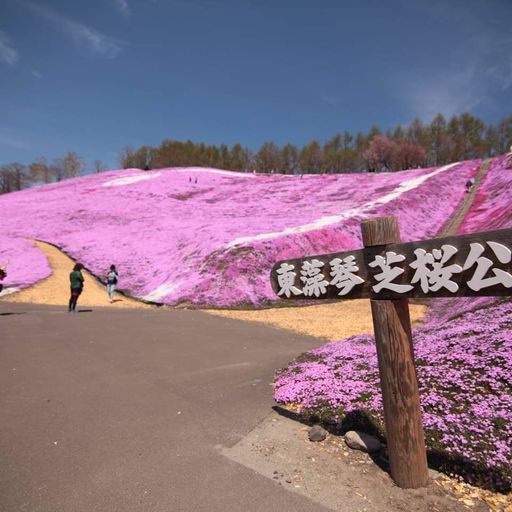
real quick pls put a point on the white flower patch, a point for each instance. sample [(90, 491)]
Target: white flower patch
[(405, 186), (129, 180), (162, 291), (231, 174)]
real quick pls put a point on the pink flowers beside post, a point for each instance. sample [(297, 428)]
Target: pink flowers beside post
[(463, 360)]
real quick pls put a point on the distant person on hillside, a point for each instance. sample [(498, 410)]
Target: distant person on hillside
[(146, 167), (112, 278), (77, 285), (469, 184)]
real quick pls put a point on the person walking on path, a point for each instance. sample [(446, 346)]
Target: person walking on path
[(469, 184), (77, 285), (112, 278)]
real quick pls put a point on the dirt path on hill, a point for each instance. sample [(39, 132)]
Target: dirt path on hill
[(331, 321), (454, 223), (328, 321), (54, 290)]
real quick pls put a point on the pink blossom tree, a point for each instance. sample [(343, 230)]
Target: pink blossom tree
[(408, 155), (380, 153)]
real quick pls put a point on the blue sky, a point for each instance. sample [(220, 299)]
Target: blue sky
[(93, 76)]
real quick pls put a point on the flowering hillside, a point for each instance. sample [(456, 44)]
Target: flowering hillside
[(464, 363), (210, 237)]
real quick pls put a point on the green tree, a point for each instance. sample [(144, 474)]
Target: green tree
[(505, 135), (268, 158), (239, 158), (437, 153), (471, 131), (310, 158), (289, 159)]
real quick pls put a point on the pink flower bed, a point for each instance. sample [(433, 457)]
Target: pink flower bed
[(464, 371), (26, 264), (214, 242), (464, 362), (492, 208)]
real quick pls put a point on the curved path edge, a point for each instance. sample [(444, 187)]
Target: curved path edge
[(54, 290)]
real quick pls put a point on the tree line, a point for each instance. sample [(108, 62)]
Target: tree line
[(439, 142), (16, 176), (421, 144)]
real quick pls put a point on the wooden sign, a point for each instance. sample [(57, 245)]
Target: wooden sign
[(389, 272), (467, 265)]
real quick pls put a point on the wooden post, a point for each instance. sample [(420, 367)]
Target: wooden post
[(399, 384)]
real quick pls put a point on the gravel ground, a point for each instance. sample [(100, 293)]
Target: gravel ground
[(341, 479), (55, 290), (332, 321)]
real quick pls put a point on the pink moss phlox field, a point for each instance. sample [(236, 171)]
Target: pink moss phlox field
[(175, 241), (464, 362), (464, 370), (25, 263), (492, 207)]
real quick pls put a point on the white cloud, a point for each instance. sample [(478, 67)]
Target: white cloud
[(8, 53), (330, 100), (36, 74), (123, 7), (473, 74), (96, 43), (7, 140)]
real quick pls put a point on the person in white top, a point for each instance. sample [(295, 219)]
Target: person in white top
[(112, 278)]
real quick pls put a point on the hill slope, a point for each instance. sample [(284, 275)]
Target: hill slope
[(213, 242), (464, 365)]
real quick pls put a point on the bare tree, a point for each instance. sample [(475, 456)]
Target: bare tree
[(57, 169), (408, 155), (40, 171), (19, 175), (6, 181), (98, 166), (72, 165), (13, 177), (126, 156)]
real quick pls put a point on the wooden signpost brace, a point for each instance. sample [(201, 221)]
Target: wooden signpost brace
[(402, 414)]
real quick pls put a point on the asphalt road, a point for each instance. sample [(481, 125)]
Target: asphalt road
[(128, 410)]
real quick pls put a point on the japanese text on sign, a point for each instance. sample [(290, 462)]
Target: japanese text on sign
[(438, 269)]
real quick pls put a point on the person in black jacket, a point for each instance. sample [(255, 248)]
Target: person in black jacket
[(77, 285)]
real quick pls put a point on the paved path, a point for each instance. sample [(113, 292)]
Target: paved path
[(127, 410)]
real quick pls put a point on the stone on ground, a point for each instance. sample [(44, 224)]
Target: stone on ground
[(317, 433), (362, 441)]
